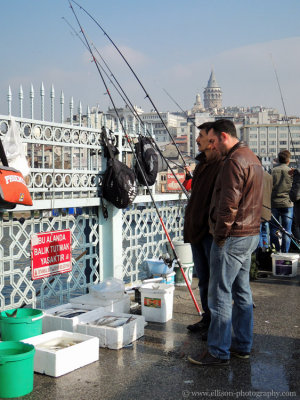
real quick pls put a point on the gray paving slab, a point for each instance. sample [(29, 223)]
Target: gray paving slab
[(156, 366)]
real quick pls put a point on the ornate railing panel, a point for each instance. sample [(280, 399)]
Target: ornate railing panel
[(16, 286), (143, 234)]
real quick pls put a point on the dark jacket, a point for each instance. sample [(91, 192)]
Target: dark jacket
[(197, 209), (282, 183), (266, 208), (237, 199)]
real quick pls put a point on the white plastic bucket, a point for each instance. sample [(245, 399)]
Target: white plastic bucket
[(183, 251), (285, 264), (157, 301)]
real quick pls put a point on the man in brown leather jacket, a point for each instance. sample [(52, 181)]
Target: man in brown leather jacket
[(234, 222)]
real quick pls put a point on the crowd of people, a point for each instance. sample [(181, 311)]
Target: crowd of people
[(234, 208)]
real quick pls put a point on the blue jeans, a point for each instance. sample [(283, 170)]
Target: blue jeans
[(264, 235), (285, 217), (201, 256), (229, 280)]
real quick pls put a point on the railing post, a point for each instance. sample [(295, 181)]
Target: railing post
[(9, 98), (42, 94), (111, 236), (21, 97)]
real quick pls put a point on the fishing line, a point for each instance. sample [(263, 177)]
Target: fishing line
[(184, 112), (284, 109), (134, 74), (129, 104), (139, 166)]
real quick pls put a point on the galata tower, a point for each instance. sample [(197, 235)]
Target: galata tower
[(212, 93)]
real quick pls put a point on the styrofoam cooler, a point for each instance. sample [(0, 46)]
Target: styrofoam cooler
[(121, 305), (60, 352), (157, 301), (285, 264)]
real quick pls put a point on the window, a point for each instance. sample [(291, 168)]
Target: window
[(272, 135), (283, 142), (272, 150), (263, 143), (253, 136), (263, 136), (253, 142)]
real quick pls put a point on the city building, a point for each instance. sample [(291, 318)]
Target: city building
[(267, 140)]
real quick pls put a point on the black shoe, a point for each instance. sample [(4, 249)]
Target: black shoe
[(239, 354), (204, 336), (206, 359), (198, 326)]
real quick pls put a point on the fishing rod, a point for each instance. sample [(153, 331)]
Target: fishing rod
[(282, 229), (184, 112), (139, 166), (128, 103), (284, 109), (134, 74)]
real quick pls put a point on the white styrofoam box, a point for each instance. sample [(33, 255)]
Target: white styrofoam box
[(285, 264), (157, 301), (113, 338), (114, 305), (60, 352), (53, 322)]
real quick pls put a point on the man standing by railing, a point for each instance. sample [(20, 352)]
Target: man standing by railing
[(234, 222), (196, 228)]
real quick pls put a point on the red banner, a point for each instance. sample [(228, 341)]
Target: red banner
[(50, 254), (172, 184)]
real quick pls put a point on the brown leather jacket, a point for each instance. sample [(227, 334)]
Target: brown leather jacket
[(197, 211), (237, 199)]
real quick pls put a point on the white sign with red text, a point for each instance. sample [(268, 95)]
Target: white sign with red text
[(50, 253)]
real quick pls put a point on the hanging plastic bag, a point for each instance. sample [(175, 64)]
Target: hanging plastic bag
[(14, 149)]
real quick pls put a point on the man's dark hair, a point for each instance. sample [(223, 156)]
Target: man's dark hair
[(206, 126), (284, 156), (224, 125)]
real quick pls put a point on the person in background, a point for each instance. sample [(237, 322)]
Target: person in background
[(196, 228), (266, 210), (234, 220), (295, 198), (281, 204)]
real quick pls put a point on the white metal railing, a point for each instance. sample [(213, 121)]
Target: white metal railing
[(66, 164)]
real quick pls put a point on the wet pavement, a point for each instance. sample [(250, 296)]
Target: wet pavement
[(156, 366)]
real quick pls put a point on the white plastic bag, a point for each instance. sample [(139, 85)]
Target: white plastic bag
[(14, 149), (109, 289)]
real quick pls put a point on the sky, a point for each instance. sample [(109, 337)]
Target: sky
[(170, 44)]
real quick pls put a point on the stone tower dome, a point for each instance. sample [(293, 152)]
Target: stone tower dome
[(212, 93), (198, 107)]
